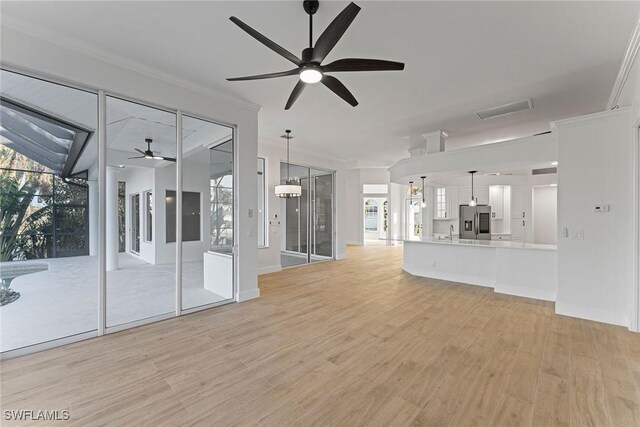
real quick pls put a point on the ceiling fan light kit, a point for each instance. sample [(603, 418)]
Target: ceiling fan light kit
[(309, 68)]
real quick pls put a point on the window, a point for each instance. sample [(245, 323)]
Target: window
[(441, 202), (190, 216), (148, 216), (262, 204)]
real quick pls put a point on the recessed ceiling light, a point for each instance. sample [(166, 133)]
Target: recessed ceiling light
[(121, 166), (553, 185), (554, 163)]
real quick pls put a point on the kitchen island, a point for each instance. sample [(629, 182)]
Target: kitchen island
[(514, 268)]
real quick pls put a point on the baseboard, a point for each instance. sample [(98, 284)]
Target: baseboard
[(450, 277), (269, 269), (247, 295), (594, 314), (520, 291), (354, 243), (341, 256)]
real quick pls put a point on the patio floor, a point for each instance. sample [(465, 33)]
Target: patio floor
[(63, 300)]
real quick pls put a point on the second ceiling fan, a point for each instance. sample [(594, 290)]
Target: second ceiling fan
[(310, 68)]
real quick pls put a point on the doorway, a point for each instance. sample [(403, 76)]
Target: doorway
[(376, 217), (307, 221), (413, 220)]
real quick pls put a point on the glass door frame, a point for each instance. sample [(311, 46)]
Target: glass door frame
[(311, 211)]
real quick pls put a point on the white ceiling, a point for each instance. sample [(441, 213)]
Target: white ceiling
[(460, 57)]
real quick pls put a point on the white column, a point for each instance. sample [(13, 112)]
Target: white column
[(112, 218), (93, 217)]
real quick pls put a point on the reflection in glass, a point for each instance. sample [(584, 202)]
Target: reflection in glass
[(307, 220), (141, 281), (207, 261), (49, 277), (262, 203)]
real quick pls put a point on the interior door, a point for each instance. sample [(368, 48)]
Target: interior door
[(135, 223)]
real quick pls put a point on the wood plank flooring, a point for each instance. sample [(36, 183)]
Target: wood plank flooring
[(352, 342)]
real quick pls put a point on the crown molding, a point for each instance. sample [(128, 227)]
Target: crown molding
[(103, 55), (625, 66), (555, 125)]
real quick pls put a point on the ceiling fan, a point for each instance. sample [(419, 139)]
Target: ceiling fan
[(148, 154), (310, 68)]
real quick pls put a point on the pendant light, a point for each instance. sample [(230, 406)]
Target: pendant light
[(472, 202), (424, 202), (411, 193), (291, 187)]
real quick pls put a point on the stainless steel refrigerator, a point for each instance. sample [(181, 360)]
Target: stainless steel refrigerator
[(475, 222)]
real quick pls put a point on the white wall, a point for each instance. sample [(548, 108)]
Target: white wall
[(595, 274), (545, 211), (269, 257), (87, 68)]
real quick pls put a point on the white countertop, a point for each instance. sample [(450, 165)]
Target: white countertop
[(506, 244)]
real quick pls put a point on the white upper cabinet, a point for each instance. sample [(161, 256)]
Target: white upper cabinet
[(496, 200), (440, 203)]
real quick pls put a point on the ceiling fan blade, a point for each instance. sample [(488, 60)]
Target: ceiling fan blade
[(267, 76), (140, 151), (358, 64), (139, 157), (169, 159), (339, 89), (334, 32), (297, 90), (265, 41)]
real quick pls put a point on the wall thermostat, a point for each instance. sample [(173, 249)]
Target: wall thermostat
[(601, 208)]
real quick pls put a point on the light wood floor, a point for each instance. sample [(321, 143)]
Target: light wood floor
[(353, 342)]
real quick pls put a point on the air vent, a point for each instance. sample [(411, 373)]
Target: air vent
[(544, 171), (505, 109)]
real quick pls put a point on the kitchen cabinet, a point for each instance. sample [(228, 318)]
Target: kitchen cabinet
[(500, 237), (496, 200), (446, 203)]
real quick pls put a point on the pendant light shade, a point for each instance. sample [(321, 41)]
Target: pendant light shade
[(424, 198), (291, 187), (472, 202)]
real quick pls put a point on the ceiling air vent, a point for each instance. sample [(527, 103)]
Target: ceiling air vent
[(544, 171), (503, 110)]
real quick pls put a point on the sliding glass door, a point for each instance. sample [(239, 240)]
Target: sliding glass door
[(141, 153), (49, 192), (307, 221), (207, 213)]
